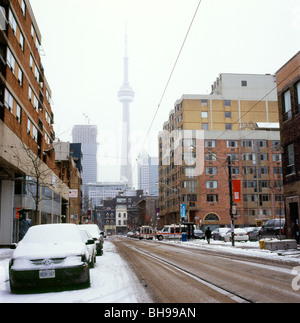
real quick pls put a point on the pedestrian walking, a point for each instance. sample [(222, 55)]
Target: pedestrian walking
[(208, 235)]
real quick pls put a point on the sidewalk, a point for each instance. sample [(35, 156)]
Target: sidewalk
[(248, 249)]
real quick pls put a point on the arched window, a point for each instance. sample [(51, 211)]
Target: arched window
[(211, 217)]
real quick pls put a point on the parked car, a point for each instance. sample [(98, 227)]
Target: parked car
[(49, 255), (274, 228), (198, 234), (95, 232), (239, 235), (133, 234), (219, 233), (253, 233), (91, 245)]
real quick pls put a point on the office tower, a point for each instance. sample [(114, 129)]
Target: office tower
[(87, 136), (148, 174), (126, 96)]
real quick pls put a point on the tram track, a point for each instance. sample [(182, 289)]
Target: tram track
[(234, 296), (176, 275)]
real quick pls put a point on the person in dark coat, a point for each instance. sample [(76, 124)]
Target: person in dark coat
[(208, 235)]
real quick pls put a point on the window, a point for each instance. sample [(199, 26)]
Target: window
[(233, 157), (227, 103), (11, 62), (12, 22), (290, 159), (298, 97), (235, 170), (210, 157), (263, 156), (247, 143), (211, 170), (227, 114), (210, 143), (8, 100), (232, 144), (204, 103), (228, 126), (211, 217), (211, 184), (204, 114), (244, 83), (204, 126), (276, 157), (287, 112), (23, 7), (212, 198)]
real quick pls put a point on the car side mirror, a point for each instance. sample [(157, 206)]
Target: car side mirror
[(13, 246)]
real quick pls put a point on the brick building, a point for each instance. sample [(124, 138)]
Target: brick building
[(238, 119), (29, 178), (288, 80)]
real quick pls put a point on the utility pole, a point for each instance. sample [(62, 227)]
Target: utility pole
[(230, 199)]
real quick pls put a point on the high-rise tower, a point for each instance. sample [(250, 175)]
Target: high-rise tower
[(126, 96)]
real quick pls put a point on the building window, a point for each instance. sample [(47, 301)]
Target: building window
[(276, 157), (211, 184), (227, 114), (227, 103), (287, 108), (23, 7), (204, 103), (298, 97), (211, 217), (211, 170), (204, 126), (228, 126), (290, 159), (210, 157), (204, 114), (212, 198), (210, 143), (244, 83), (232, 144)]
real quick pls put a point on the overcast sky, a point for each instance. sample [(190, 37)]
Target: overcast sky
[(83, 42)]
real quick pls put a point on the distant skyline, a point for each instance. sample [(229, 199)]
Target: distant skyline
[(84, 49)]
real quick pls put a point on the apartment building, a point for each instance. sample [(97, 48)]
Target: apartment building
[(29, 179), (238, 119), (288, 79)]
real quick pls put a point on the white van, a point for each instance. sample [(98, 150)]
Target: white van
[(172, 231), (146, 232)]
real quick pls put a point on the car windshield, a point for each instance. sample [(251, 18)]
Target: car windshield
[(92, 229), (52, 233)]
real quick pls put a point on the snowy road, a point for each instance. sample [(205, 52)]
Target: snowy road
[(111, 282), (177, 274)]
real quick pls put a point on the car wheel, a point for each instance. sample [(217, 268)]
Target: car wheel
[(160, 238)]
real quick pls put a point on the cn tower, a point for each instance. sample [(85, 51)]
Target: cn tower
[(126, 96)]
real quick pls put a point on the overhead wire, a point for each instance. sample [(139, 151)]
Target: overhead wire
[(168, 81)]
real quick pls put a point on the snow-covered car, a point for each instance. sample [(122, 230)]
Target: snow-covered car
[(239, 235), (95, 232), (91, 245), (49, 255), (219, 233)]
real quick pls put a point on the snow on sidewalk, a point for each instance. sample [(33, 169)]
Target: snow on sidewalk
[(111, 282)]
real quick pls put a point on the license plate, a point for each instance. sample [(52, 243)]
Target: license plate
[(45, 274)]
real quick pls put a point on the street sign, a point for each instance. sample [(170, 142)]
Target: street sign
[(183, 210)]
